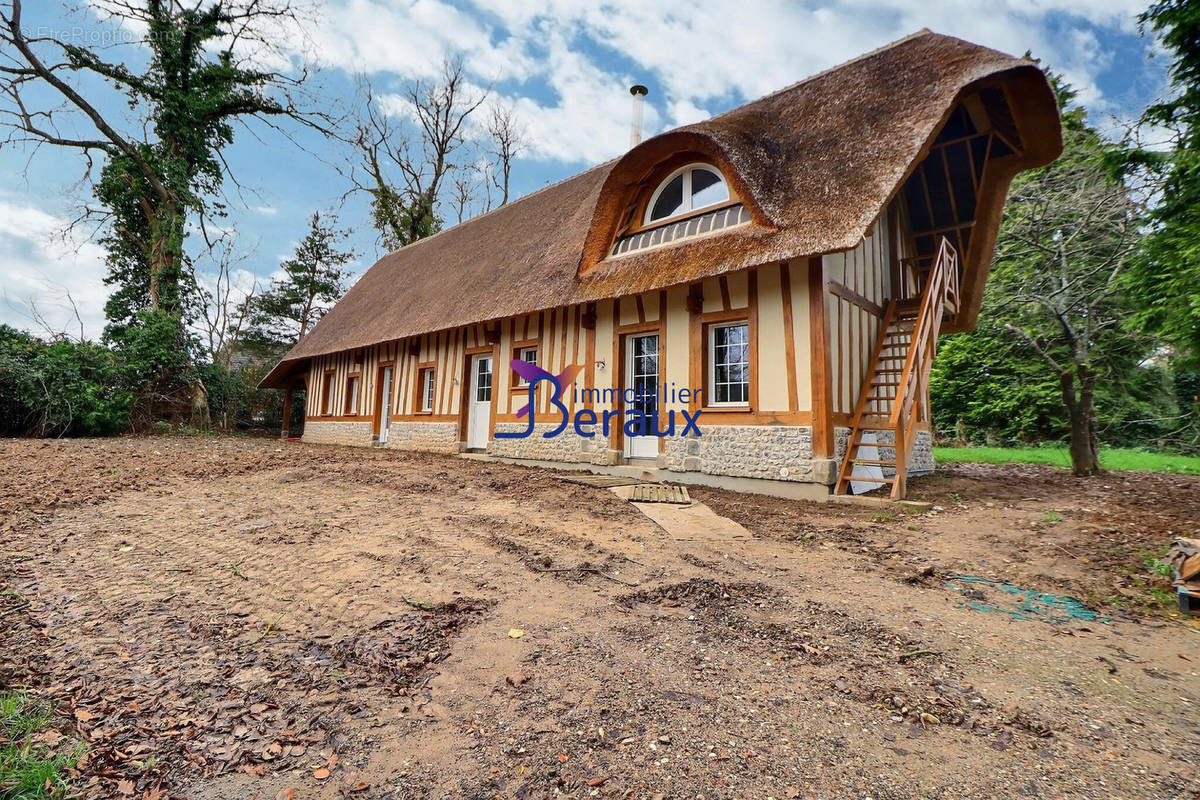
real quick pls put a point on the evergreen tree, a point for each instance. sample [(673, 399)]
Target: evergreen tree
[(314, 279), (1166, 280)]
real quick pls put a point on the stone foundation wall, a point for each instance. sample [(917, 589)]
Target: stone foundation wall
[(432, 437), (921, 461), (567, 446), (356, 433), (775, 452), (922, 454)]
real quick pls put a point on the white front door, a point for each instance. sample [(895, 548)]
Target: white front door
[(641, 374), (385, 403), (480, 412)]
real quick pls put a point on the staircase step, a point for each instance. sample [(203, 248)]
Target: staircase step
[(874, 462), (865, 479)]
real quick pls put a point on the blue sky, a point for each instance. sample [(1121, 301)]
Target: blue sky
[(564, 65)]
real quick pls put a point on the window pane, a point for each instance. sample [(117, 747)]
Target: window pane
[(483, 383), (670, 201), (731, 364), (645, 373), (707, 189), (530, 356)]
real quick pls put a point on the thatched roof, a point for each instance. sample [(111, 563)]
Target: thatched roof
[(815, 163)]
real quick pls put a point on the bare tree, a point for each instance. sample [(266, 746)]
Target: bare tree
[(508, 140), (1070, 231), (466, 184), (404, 171), (471, 189), (225, 309)]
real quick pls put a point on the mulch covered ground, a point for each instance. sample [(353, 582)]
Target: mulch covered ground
[(233, 618)]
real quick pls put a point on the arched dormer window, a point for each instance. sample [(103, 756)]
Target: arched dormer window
[(688, 189), (694, 200)]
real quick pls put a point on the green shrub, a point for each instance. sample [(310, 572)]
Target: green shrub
[(59, 388)]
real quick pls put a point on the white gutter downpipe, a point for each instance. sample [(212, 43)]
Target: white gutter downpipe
[(639, 93)]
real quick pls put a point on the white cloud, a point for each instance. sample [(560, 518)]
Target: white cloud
[(566, 64), (42, 269), (685, 112)]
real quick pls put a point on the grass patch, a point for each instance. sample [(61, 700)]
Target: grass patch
[(1110, 458), (1160, 568), (29, 769)]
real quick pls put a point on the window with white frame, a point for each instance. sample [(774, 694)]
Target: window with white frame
[(428, 381), (352, 394), (729, 364), (483, 380), (530, 356), (692, 188)]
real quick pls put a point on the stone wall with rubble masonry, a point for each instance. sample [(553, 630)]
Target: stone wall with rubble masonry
[(567, 446), (340, 432), (774, 452), (430, 437), (921, 462)]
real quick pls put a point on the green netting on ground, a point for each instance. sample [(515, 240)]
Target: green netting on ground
[(997, 596)]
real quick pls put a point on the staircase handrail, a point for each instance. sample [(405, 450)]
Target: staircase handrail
[(941, 292)]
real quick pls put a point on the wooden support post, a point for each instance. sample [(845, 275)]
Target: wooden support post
[(822, 386), (287, 413)]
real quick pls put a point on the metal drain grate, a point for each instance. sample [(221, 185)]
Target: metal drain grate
[(658, 493)]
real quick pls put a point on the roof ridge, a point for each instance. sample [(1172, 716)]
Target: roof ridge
[(821, 74), (502, 207), (547, 187)]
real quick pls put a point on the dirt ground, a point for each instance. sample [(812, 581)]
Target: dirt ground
[(241, 618)]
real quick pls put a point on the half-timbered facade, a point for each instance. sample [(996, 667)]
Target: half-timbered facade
[(781, 272)]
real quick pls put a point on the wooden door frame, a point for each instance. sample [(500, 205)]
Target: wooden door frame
[(377, 417), (658, 328), (464, 410)]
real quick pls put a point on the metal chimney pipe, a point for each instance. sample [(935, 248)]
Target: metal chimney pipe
[(639, 93)]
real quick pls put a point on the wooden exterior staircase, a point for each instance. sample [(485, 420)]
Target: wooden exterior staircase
[(898, 380)]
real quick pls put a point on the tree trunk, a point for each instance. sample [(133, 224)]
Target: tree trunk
[(1081, 411), (200, 413)]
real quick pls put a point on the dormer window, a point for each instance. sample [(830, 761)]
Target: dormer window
[(691, 202), (692, 188)]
